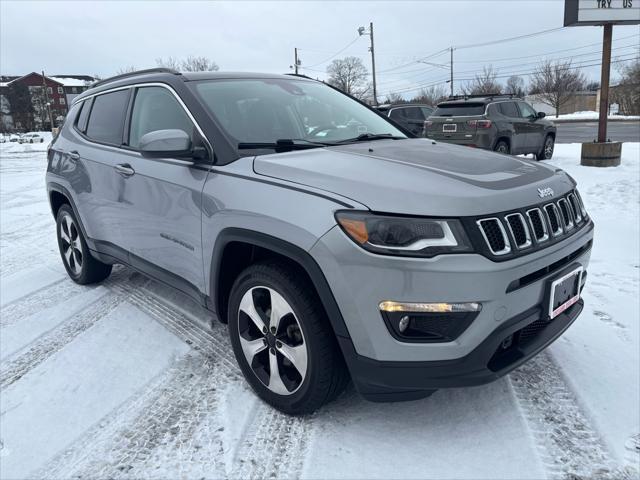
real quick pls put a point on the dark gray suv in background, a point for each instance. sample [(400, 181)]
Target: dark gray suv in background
[(503, 123), (334, 244)]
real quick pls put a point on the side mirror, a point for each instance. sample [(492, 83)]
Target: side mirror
[(166, 143), (541, 114)]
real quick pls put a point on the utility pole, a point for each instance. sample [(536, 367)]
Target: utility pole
[(46, 96), (363, 31), (451, 78), (295, 61), (604, 82)]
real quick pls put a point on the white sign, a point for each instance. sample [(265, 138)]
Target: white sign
[(599, 12)]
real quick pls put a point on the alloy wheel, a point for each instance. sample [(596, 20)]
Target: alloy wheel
[(548, 148), (272, 340), (70, 244)]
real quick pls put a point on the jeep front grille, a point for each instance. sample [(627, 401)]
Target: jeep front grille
[(495, 235), (509, 233)]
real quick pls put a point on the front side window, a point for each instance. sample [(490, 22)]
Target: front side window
[(267, 110), (155, 108), (526, 111), (106, 122)]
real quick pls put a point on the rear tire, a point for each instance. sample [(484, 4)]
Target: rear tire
[(77, 260), (546, 152), (298, 339), (502, 147)]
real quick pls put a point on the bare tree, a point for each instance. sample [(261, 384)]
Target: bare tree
[(349, 75), (432, 95), (127, 69), (483, 83), (199, 64), (627, 93), (555, 82), (515, 85), (169, 62), (394, 97)]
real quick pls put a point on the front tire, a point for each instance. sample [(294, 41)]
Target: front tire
[(77, 260), (282, 339)]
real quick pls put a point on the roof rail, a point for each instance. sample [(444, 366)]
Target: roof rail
[(137, 72), (482, 95)]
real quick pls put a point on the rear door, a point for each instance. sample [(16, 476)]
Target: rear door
[(94, 157), (163, 224), (520, 126)]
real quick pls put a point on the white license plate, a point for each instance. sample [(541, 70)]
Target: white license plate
[(565, 291), (449, 127)]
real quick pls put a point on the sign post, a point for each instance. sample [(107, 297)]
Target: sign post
[(607, 13)]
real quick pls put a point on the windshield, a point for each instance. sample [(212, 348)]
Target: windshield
[(458, 110), (264, 111)]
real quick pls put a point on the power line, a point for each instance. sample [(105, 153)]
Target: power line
[(334, 55), (503, 40)]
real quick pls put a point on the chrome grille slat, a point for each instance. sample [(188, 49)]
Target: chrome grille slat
[(513, 232), (515, 222)]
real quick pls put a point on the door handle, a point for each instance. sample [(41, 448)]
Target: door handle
[(74, 156), (124, 169)]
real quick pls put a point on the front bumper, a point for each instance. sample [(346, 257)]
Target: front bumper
[(395, 381)]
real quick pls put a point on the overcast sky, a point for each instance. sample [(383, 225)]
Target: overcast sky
[(102, 37)]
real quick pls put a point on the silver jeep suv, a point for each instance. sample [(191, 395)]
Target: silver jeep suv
[(335, 245)]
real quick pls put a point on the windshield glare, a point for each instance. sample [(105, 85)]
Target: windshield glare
[(267, 110)]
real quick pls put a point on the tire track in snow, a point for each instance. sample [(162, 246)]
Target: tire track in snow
[(162, 433), (273, 444), (569, 447), (19, 364)]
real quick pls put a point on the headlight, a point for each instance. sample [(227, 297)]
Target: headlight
[(405, 236)]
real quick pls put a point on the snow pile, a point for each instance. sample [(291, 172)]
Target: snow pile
[(589, 116), (129, 380)]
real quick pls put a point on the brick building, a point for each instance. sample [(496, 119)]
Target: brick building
[(60, 92)]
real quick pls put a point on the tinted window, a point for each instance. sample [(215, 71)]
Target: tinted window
[(492, 109), (459, 110), (84, 116), (426, 111), (155, 108), (397, 113), (413, 113), (525, 110), (107, 117), (509, 109)]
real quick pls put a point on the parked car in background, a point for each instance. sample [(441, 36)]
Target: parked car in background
[(503, 123), (410, 115), (31, 138), (14, 137), (4, 138)]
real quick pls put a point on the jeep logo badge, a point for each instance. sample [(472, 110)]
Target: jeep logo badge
[(545, 192)]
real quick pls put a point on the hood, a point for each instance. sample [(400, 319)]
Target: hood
[(418, 176)]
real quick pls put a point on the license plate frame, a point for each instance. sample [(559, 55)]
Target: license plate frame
[(453, 128), (570, 280)]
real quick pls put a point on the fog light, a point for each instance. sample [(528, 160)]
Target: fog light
[(403, 324)]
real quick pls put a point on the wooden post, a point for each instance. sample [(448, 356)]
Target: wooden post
[(604, 83)]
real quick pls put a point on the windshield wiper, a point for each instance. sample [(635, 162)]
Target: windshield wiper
[(365, 137), (282, 145)]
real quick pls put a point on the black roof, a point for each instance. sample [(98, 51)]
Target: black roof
[(388, 106)]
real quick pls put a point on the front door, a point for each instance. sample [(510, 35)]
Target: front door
[(520, 126), (163, 230), (535, 134)]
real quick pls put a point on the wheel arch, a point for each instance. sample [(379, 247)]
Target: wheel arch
[(237, 248), (58, 196)]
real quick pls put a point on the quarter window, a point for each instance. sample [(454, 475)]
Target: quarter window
[(84, 116), (155, 108), (106, 122)]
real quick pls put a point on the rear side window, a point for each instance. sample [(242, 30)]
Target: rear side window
[(459, 110), (106, 122), (426, 111), (155, 108), (397, 113), (81, 124), (509, 109), (413, 113)]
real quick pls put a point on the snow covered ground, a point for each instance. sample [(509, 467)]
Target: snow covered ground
[(128, 380), (589, 116)]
